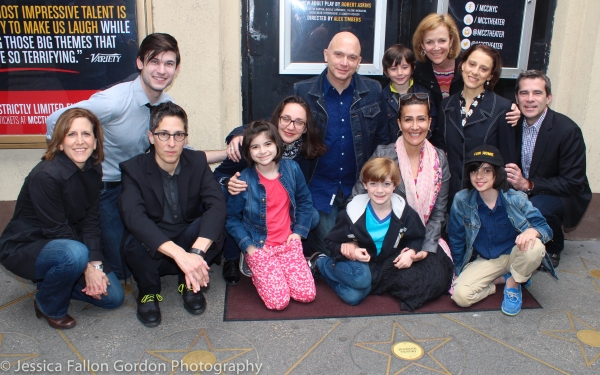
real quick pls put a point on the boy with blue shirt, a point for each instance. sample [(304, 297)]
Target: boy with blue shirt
[(493, 231), (375, 245)]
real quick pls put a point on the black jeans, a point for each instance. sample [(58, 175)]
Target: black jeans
[(147, 270), (551, 207)]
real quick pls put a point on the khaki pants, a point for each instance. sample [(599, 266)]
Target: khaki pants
[(476, 281)]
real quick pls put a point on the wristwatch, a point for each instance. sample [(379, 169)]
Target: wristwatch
[(99, 267), (223, 181), (529, 189), (197, 252)]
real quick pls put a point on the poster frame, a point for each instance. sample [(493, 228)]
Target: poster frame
[(38, 141), (285, 37), (526, 32)]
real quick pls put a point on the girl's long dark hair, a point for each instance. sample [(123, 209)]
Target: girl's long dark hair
[(255, 128)]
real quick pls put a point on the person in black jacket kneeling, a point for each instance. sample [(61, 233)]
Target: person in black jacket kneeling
[(175, 211)]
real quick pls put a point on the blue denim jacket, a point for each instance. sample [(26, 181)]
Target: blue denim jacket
[(464, 222), (247, 211), (369, 127)]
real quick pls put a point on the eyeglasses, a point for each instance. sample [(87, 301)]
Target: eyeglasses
[(418, 95), (285, 121), (164, 136)]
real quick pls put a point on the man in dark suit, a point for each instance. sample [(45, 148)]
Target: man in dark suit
[(175, 212), (552, 160)]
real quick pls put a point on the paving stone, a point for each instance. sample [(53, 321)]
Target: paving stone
[(561, 338)]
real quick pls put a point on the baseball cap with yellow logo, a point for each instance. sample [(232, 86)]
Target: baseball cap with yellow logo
[(485, 154)]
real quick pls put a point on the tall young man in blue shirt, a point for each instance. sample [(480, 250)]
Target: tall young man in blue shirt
[(123, 111)]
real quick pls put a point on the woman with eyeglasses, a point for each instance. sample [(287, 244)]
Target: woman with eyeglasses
[(421, 274), (474, 116), (54, 237), (301, 143)]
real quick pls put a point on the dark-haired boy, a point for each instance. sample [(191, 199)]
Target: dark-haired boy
[(493, 231), (399, 65), (123, 111), (175, 211)]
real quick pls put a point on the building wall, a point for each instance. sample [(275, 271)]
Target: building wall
[(208, 84), (574, 57), (15, 166)]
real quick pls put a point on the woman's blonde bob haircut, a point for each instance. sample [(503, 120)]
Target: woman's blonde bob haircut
[(379, 169), (431, 22), (62, 127)]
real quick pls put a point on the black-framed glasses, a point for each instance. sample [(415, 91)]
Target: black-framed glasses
[(418, 95), (286, 120), (164, 136)]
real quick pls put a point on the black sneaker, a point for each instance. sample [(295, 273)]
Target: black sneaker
[(231, 273), (148, 311), (194, 303), (312, 264)]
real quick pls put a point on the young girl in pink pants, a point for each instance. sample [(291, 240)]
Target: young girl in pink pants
[(269, 219)]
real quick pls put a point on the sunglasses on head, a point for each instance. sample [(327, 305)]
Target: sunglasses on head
[(418, 95)]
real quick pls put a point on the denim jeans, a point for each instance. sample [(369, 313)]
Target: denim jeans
[(112, 230), (551, 207), (58, 267), (231, 251), (316, 238), (350, 279)]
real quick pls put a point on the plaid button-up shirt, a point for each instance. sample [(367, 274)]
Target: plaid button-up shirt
[(530, 134)]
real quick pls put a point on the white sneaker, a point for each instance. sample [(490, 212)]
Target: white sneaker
[(244, 269)]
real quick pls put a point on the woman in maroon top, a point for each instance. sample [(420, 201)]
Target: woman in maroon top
[(436, 44)]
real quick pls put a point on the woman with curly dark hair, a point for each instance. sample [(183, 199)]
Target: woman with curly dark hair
[(475, 115)]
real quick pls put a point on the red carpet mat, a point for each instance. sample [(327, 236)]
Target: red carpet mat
[(242, 302)]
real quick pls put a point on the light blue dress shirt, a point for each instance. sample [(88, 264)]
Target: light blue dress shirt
[(125, 120)]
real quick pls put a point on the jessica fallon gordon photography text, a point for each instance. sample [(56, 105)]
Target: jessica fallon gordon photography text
[(128, 367)]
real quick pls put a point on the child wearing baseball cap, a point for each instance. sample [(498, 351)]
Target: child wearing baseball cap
[(495, 234)]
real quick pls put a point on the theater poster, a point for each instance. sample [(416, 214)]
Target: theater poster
[(505, 25), (306, 27), (54, 53)]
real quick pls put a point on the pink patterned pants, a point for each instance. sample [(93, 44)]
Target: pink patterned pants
[(280, 272)]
